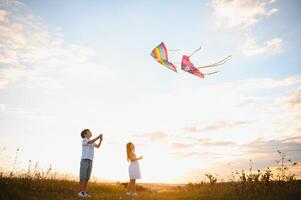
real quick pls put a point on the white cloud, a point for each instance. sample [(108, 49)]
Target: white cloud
[(294, 100), (28, 47), (240, 13), (2, 107), (152, 136), (10, 74), (252, 48), (2, 15), (263, 83)]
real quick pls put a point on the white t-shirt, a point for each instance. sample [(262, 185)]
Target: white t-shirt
[(88, 149)]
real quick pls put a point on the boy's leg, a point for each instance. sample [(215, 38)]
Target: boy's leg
[(81, 175), (85, 183), (84, 175), (89, 170), (81, 186)]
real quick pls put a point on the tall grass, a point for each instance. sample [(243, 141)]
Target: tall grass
[(36, 183)]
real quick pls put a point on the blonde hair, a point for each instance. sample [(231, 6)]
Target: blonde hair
[(129, 148)]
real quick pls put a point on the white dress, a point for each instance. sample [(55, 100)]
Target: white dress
[(134, 169)]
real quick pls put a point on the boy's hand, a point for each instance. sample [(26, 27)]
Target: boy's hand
[(100, 140), (141, 157)]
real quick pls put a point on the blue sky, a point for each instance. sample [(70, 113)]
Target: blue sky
[(70, 65), (186, 25)]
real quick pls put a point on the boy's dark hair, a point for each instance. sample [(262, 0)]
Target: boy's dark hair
[(83, 133)]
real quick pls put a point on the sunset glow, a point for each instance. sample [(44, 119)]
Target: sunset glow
[(66, 66)]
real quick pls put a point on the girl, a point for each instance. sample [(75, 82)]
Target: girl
[(134, 169)]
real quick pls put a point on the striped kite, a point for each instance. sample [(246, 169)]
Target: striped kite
[(160, 54)]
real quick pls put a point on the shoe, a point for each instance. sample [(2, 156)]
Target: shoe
[(81, 194), (134, 194), (87, 195), (128, 193)]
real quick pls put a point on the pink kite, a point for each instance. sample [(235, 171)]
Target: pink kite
[(189, 67)]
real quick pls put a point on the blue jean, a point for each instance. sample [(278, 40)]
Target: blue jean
[(85, 169)]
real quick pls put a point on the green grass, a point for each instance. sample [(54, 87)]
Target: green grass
[(18, 188)]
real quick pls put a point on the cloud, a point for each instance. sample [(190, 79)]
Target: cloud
[(152, 136), (251, 48), (203, 142), (262, 152), (3, 14), (214, 127), (209, 142), (208, 155), (241, 13), (180, 145), (293, 101), (293, 138), (291, 146), (263, 83), (2, 107), (211, 150), (290, 105), (10, 74), (28, 47)]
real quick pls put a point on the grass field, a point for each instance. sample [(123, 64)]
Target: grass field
[(13, 188)]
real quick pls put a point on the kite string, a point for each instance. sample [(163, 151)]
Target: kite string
[(195, 51), (174, 50)]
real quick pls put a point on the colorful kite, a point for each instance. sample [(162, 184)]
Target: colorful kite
[(189, 67), (160, 54)]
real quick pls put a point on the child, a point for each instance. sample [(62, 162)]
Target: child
[(87, 160), (134, 169)]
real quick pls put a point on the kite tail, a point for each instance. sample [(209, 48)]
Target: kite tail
[(221, 62), (210, 73), (195, 51)]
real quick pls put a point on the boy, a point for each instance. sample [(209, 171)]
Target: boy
[(87, 160)]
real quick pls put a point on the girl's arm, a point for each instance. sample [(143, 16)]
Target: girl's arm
[(133, 159)]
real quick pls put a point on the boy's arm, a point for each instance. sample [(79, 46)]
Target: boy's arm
[(95, 139), (98, 145)]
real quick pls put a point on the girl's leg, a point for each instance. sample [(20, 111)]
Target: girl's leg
[(129, 186), (134, 186)]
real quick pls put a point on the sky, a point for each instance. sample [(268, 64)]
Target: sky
[(69, 65)]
